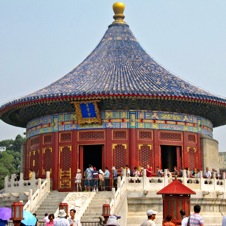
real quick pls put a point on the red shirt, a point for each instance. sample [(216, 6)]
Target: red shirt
[(149, 172)]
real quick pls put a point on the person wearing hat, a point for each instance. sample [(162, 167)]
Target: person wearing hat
[(61, 219), (78, 180), (150, 221), (113, 220)]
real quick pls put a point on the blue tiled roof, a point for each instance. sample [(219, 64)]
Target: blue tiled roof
[(117, 67)]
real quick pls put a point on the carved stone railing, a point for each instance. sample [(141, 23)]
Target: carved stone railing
[(30, 191), (35, 198)]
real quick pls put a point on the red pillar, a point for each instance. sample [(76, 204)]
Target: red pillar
[(132, 148), (156, 150), (55, 156)]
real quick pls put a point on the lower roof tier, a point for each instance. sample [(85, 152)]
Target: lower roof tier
[(22, 114), (127, 119)]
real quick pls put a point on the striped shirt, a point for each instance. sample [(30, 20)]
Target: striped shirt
[(196, 220)]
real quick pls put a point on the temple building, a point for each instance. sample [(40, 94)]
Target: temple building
[(117, 107)]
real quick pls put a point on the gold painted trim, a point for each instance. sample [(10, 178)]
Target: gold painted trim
[(188, 149), (114, 145), (78, 112), (140, 145)]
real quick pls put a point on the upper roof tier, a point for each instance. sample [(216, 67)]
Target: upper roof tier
[(117, 68)]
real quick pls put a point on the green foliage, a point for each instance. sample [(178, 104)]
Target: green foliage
[(10, 159)]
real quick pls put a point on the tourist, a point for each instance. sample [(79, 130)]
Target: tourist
[(36, 219), (141, 170), (30, 174), (73, 220), (95, 179), (51, 220), (168, 221), (169, 174), (159, 172), (207, 173), (88, 177), (46, 218), (4, 222), (115, 177), (128, 171), (78, 180), (149, 171), (136, 172), (224, 221), (101, 179), (175, 171), (107, 179), (184, 218), (61, 219), (195, 219), (150, 221), (113, 220), (197, 173)]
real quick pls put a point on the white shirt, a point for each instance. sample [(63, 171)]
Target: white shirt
[(46, 219), (184, 221), (74, 222), (148, 223), (61, 221)]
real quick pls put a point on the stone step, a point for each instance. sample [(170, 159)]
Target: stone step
[(50, 204), (94, 210)]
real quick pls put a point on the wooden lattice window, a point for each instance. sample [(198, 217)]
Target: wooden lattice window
[(65, 158), (145, 135), (117, 135), (64, 137), (191, 158), (119, 156), (47, 163), (170, 136), (191, 138), (96, 135), (145, 155), (47, 139), (35, 140)]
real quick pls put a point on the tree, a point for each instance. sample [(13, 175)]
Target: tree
[(10, 159)]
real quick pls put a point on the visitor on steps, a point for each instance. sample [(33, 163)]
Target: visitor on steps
[(51, 220), (150, 221), (61, 219), (73, 220), (78, 180), (113, 220)]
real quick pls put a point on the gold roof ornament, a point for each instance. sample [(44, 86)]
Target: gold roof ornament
[(118, 8)]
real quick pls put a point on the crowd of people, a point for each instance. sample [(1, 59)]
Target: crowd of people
[(62, 219), (94, 179)]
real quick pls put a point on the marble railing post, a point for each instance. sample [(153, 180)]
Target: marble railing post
[(166, 181), (48, 181), (118, 182), (145, 180), (184, 181), (6, 182), (214, 181), (21, 182), (30, 199), (201, 181), (224, 180)]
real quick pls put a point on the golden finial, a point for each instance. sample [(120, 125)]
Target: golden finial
[(118, 8)]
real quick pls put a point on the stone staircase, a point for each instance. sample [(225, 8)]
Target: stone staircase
[(50, 204), (94, 210)]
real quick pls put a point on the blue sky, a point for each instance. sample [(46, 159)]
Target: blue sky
[(42, 40)]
